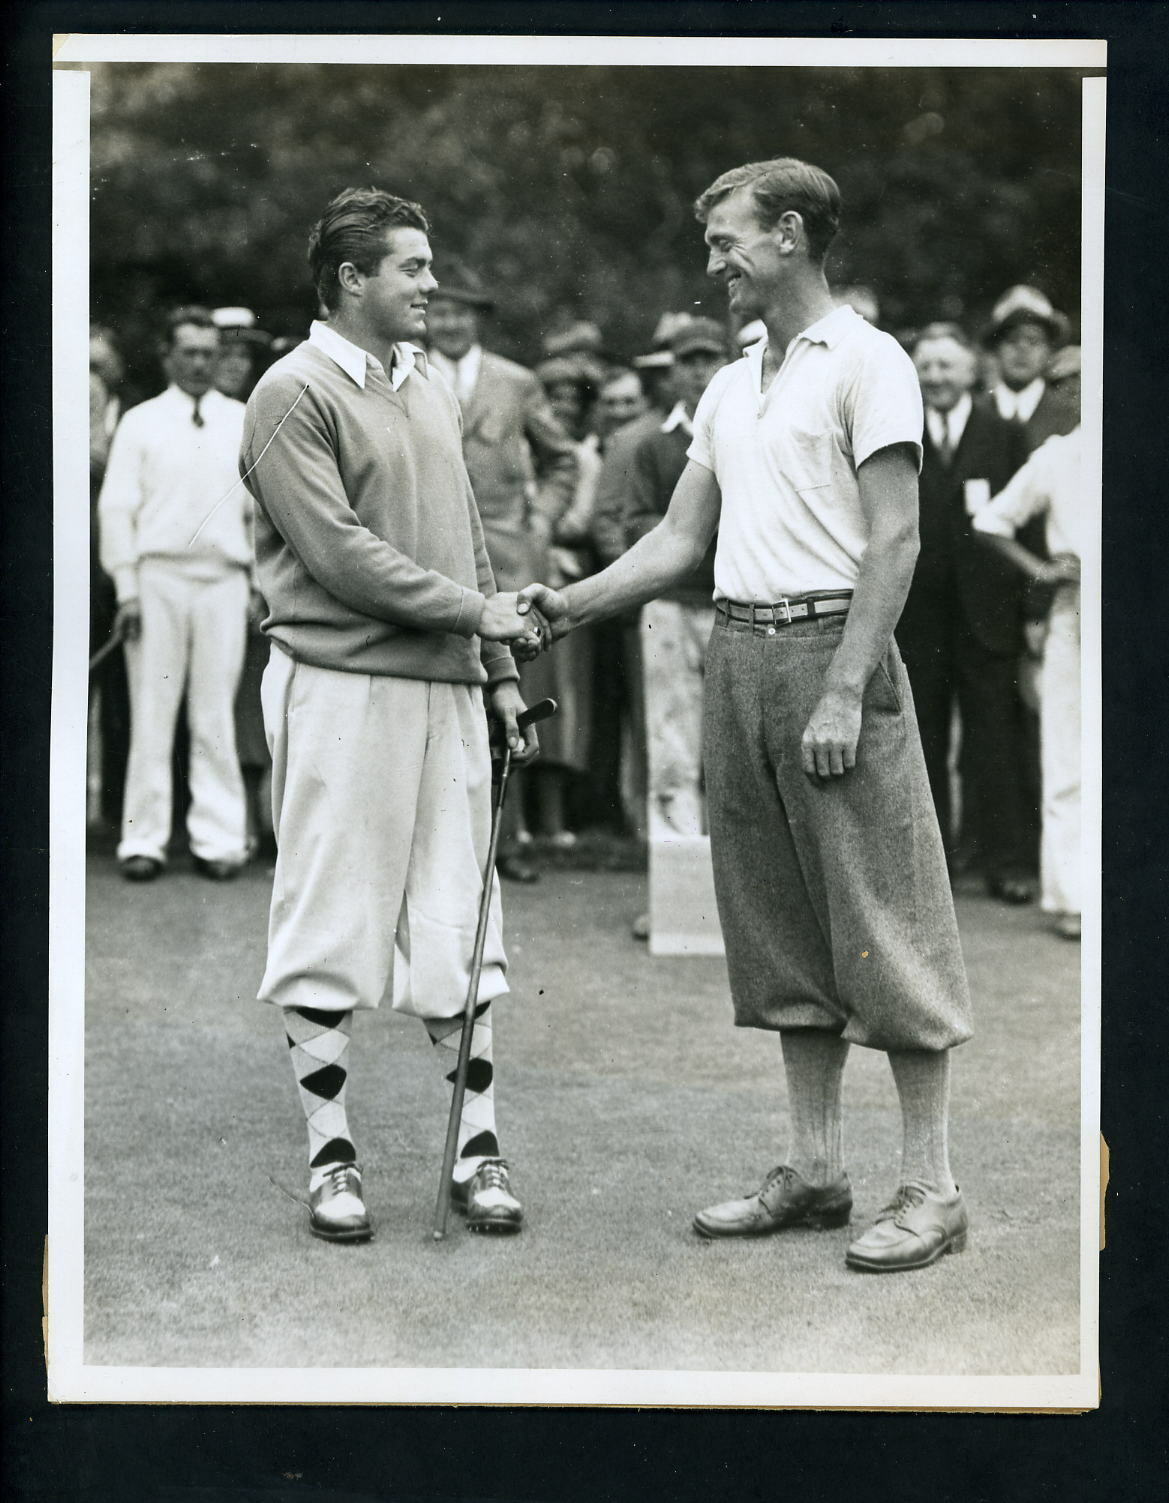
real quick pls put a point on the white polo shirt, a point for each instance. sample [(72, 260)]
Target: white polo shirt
[(786, 458)]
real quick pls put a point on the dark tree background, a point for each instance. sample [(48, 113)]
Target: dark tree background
[(569, 189)]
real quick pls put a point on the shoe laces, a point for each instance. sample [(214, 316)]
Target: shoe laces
[(782, 1173), (342, 1177), (492, 1175), (908, 1197)]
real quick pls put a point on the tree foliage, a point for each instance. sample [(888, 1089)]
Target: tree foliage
[(570, 189)]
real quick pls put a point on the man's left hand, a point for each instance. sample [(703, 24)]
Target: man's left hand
[(829, 742), (507, 704)]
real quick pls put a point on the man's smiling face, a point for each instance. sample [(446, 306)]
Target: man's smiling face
[(394, 297), (743, 255)]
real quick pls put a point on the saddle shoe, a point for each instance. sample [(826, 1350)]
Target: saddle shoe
[(487, 1200), (336, 1210), (784, 1200)]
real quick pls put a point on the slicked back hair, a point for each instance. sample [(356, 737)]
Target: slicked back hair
[(353, 228), (778, 187)]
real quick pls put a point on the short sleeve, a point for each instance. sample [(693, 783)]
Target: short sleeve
[(701, 448), (882, 404)]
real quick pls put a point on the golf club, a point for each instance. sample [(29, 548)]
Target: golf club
[(541, 710)]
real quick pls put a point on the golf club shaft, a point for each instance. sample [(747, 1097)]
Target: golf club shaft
[(442, 1205)]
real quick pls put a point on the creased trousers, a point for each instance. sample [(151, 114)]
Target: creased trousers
[(833, 896), (381, 805)]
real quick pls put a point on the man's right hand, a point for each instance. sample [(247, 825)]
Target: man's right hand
[(128, 621), (504, 621), (551, 604)]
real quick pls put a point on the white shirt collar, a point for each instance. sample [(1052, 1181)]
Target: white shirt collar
[(1020, 404), (187, 401), (461, 374), (832, 328), (678, 418), (952, 423), (355, 361)]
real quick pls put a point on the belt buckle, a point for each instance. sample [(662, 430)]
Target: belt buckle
[(785, 604)]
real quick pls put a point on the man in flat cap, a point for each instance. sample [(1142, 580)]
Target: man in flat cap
[(522, 465)]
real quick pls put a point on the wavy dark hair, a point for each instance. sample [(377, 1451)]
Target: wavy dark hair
[(353, 228)]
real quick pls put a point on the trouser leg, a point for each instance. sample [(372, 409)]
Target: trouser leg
[(673, 639), (157, 668), (217, 818), (993, 755), (1060, 711)]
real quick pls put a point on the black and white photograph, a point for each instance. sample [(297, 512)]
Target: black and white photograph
[(575, 841)]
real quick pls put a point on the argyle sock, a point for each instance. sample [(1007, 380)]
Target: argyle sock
[(319, 1044), (813, 1061), (477, 1140), (922, 1078)]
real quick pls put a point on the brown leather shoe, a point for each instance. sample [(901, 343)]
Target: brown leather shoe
[(783, 1200), (336, 1210), (913, 1231)]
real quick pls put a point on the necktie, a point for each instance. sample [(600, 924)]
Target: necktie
[(945, 446), (197, 416)]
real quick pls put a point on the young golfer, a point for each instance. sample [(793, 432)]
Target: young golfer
[(385, 627), (828, 862)]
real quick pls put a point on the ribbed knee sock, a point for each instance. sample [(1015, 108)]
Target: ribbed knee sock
[(319, 1046), (813, 1061), (477, 1140), (923, 1085)]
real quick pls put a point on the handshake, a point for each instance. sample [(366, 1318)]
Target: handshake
[(529, 620)]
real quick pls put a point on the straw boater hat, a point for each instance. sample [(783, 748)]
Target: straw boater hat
[(1024, 305), (238, 326)]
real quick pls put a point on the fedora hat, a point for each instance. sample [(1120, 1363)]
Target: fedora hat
[(461, 285)]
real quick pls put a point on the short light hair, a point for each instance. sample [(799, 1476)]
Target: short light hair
[(353, 228), (780, 186), (942, 330)]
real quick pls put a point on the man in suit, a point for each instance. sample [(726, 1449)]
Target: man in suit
[(961, 629), (522, 465)]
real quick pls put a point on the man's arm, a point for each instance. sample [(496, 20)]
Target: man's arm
[(671, 552), (296, 480), (888, 494), (117, 513)]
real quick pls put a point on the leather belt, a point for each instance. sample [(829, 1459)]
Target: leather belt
[(783, 612)]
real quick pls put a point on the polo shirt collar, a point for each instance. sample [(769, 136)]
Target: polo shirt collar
[(355, 361), (832, 328), (678, 418)]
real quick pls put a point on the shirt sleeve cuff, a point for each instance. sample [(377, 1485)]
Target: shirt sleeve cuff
[(999, 527), (499, 665), (126, 583), (470, 613)]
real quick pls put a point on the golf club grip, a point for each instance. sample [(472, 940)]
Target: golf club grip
[(541, 710)]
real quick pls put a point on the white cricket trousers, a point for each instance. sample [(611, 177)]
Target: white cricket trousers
[(1059, 730), (192, 639), (381, 804)]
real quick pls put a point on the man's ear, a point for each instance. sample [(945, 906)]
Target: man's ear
[(789, 230), (349, 278)]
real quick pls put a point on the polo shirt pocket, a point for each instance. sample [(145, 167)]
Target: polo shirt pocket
[(811, 459)]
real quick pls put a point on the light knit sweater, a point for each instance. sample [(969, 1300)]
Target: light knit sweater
[(369, 547)]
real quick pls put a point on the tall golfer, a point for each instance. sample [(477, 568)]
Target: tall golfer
[(385, 626), (828, 862)]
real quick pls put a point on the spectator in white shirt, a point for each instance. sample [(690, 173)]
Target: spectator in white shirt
[(175, 526)]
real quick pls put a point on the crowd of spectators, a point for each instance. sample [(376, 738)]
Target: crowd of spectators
[(571, 462)]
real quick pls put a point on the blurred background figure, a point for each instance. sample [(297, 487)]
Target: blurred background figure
[(523, 469), (632, 404), (175, 528), (109, 702), (1024, 333), (675, 628), (244, 353), (572, 383), (961, 630), (1050, 487)]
